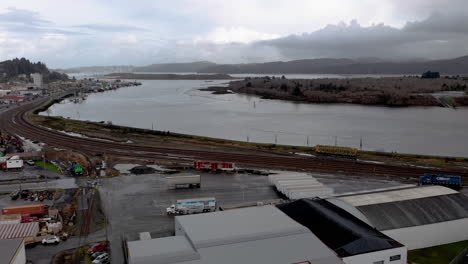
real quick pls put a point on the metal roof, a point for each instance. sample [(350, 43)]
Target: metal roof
[(8, 249), (164, 250), (19, 230), (415, 212), (238, 225), (398, 195), (261, 234), (337, 228), (279, 250)]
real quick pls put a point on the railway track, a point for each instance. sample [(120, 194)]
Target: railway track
[(15, 121)]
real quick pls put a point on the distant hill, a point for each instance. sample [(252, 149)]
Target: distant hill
[(344, 66), (307, 66), (10, 69), (98, 69), (175, 67)]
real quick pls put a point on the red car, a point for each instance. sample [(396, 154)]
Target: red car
[(98, 247)]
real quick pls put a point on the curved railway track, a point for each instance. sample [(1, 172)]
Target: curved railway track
[(15, 121)]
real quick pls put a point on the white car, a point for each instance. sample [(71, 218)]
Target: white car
[(97, 254), (104, 258), (50, 240)]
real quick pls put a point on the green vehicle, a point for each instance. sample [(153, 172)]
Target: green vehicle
[(77, 170)]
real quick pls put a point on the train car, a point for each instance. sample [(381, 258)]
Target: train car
[(452, 181), (346, 152), (214, 165)]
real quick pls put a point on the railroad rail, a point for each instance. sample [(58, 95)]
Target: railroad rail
[(15, 121)]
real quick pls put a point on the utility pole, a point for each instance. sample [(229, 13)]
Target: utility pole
[(360, 144), (276, 139), (307, 140)]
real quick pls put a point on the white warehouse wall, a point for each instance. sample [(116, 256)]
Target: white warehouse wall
[(375, 257), (424, 236), (20, 257)]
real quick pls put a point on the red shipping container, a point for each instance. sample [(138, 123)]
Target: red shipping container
[(37, 209)]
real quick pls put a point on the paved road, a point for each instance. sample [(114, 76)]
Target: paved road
[(44, 254)]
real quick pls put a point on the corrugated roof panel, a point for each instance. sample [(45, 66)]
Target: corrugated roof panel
[(19, 230), (398, 195), (416, 212), (238, 225)]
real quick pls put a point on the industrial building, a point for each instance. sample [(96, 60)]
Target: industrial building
[(27, 231), (266, 234), (37, 79), (250, 235), (12, 251), (417, 217), (354, 241)]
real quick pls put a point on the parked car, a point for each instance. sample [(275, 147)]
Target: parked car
[(14, 195), (97, 254), (30, 163), (98, 247), (50, 240), (101, 259)]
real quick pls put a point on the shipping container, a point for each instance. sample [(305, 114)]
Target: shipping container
[(284, 188), (38, 209), (274, 178), (453, 181), (10, 219), (13, 163)]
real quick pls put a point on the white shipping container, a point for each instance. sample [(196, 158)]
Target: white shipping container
[(275, 178), (284, 182), (14, 163), (309, 194), (285, 189)]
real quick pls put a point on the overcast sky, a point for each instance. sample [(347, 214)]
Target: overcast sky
[(67, 33)]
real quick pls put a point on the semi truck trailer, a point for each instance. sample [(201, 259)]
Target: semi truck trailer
[(192, 206), (179, 182)]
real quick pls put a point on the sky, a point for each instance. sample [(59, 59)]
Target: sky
[(70, 33)]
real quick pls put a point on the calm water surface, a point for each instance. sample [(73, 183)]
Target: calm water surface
[(178, 106)]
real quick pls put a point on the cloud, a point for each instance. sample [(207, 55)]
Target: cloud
[(438, 36), (22, 21), (111, 28), (223, 35), (128, 39)]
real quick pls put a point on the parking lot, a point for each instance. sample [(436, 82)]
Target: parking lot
[(137, 203)]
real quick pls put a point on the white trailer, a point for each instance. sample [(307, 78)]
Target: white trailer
[(310, 192), (192, 181), (289, 178), (192, 206), (284, 189), (15, 162)]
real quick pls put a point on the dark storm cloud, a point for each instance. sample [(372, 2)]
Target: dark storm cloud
[(438, 36), (441, 23), (111, 28)]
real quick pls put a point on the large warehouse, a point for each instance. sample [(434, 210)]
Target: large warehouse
[(266, 234), (249, 235), (416, 217)]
